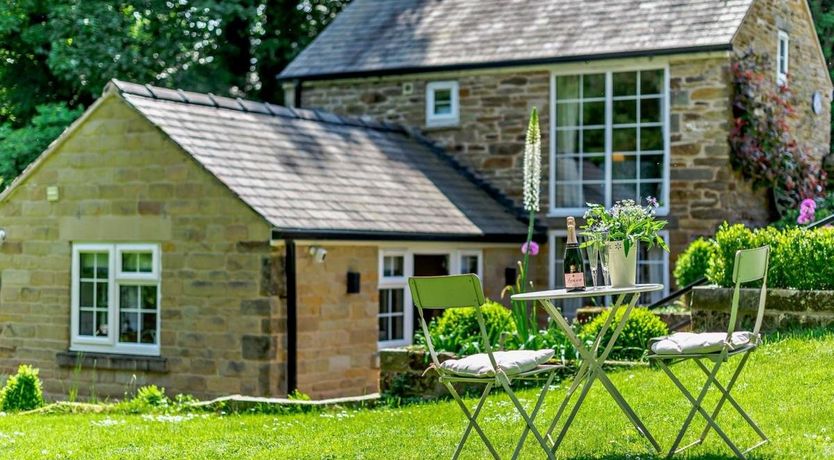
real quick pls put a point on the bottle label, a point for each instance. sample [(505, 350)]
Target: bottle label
[(574, 280)]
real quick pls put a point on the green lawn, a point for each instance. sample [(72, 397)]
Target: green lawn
[(789, 391)]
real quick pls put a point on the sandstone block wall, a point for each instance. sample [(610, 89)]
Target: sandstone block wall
[(807, 71), (337, 331), (121, 180)]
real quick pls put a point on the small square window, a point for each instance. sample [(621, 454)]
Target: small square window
[(393, 266), (442, 104)]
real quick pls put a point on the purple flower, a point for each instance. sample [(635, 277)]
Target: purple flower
[(652, 201), (808, 203), (804, 219), (534, 248)]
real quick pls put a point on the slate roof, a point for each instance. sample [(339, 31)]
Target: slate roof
[(312, 172), (400, 36)]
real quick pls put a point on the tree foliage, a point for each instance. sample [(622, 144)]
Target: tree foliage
[(61, 53)]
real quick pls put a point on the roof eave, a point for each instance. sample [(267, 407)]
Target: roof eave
[(509, 63), (540, 235)]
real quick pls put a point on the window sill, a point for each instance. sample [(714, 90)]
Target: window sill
[(112, 361), (440, 125)]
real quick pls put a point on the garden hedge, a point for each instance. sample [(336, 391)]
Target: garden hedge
[(800, 258)]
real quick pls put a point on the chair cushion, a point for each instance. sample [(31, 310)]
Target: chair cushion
[(511, 362), (704, 342)]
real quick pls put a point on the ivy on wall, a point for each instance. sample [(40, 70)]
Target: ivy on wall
[(764, 149)]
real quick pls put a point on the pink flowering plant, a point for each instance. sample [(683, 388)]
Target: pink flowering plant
[(807, 209), (764, 148), (626, 221)]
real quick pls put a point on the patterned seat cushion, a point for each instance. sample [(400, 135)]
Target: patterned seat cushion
[(704, 342), (511, 362)]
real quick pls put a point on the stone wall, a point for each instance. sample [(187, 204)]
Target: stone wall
[(704, 190), (785, 309), (222, 288), (337, 331), (807, 70)]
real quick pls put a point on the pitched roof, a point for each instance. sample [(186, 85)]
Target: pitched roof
[(393, 36), (312, 172)]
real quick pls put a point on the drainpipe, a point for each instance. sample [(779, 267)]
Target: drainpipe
[(292, 317)]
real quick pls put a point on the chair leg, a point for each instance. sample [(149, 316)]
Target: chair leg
[(580, 375), (725, 396), (472, 420), (532, 427), (533, 415), (697, 408)]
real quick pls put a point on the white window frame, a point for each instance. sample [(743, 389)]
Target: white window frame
[(401, 282), (398, 282), (782, 74), (434, 120), (609, 70), (551, 240), (115, 276)]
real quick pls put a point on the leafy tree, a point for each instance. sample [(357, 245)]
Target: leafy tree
[(21, 146), (58, 54)]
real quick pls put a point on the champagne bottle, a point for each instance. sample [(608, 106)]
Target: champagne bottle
[(573, 262)]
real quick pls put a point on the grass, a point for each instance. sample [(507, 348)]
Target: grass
[(788, 388)]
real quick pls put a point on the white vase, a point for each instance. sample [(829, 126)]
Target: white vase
[(622, 268)]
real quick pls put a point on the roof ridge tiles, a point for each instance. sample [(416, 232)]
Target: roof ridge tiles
[(251, 106)]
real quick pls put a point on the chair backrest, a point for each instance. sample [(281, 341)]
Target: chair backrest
[(750, 265), (442, 292)]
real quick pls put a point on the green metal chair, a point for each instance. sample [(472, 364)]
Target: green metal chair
[(718, 348), (499, 369)]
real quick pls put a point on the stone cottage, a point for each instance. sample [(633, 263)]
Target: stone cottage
[(216, 246), (635, 96)]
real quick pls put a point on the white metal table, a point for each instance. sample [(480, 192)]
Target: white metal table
[(591, 359)]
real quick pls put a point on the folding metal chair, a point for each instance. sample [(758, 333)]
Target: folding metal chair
[(441, 292), (718, 348)]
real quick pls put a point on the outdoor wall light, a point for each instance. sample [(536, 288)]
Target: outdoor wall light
[(353, 283), (2, 236), (319, 254)]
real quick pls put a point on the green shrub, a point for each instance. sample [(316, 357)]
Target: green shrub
[(457, 330), (22, 391), (149, 398), (631, 344), (692, 264), (799, 258)]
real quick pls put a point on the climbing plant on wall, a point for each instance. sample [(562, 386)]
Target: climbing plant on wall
[(764, 148)]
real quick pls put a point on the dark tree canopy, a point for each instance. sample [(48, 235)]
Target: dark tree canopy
[(57, 55)]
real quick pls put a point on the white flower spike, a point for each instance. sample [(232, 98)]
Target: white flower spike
[(532, 164)]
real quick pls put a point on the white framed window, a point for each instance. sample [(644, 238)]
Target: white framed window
[(396, 309), (115, 298), (470, 261), (783, 57), (652, 267), (609, 138), (442, 104), (395, 318)]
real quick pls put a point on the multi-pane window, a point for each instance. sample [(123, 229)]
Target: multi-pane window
[(783, 56), (392, 300), (470, 262), (609, 138), (442, 104), (391, 314), (115, 298), (652, 267)]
